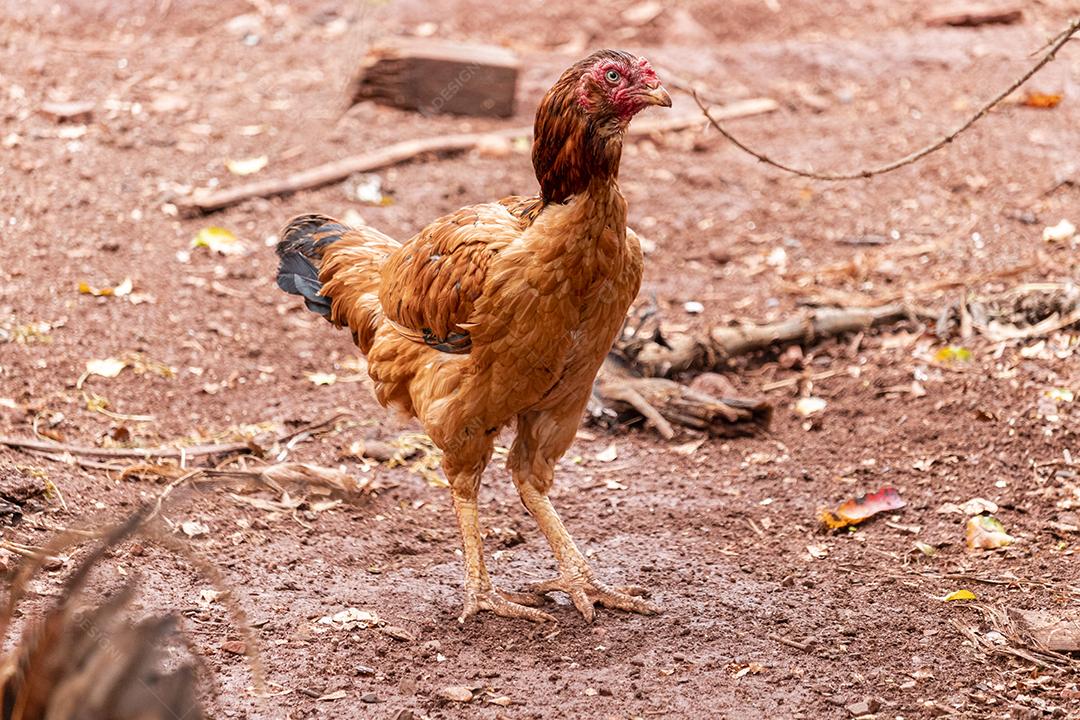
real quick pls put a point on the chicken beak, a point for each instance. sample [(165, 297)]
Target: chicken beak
[(656, 96)]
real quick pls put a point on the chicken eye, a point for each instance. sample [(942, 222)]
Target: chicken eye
[(612, 76)]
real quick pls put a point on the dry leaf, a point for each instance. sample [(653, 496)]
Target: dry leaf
[(350, 619), (855, 511), (807, 406), (219, 240), (817, 552), (193, 528), (926, 548), (307, 473), (608, 454), (754, 667), (643, 13), (688, 448), (234, 647), (456, 693), (1062, 232), (107, 368), (207, 596), (1060, 394), (1059, 634), (248, 166), (1041, 100), (336, 695), (985, 532), (398, 633), (124, 288), (979, 506)]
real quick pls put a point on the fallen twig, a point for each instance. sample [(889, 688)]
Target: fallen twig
[(27, 551), (796, 379), (1060, 42), (808, 326), (664, 403), (789, 642), (409, 149), (59, 449), (658, 354), (273, 476)]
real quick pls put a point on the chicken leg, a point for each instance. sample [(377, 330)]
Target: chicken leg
[(480, 594)]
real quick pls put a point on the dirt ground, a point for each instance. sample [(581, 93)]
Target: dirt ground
[(725, 532)]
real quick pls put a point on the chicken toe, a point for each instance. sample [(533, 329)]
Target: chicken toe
[(586, 592), (497, 602), (480, 594)]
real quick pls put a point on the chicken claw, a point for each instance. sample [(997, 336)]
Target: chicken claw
[(504, 605), (585, 592)]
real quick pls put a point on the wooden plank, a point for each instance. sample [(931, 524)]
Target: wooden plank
[(435, 77)]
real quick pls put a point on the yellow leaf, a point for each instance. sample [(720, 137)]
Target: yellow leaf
[(1060, 394), (926, 548), (1045, 101), (248, 166), (953, 353), (985, 532), (124, 288), (219, 240), (959, 595)]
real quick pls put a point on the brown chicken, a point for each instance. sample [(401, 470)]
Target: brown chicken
[(501, 313)]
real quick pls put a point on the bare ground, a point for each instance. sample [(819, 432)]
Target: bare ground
[(719, 534)]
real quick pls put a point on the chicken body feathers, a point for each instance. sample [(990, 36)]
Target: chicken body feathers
[(430, 288), (488, 311)]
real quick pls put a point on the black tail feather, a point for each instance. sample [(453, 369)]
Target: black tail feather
[(302, 243)]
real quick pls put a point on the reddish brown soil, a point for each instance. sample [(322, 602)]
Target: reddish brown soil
[(859, 81)]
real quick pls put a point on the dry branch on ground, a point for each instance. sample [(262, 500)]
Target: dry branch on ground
[(92, 663), (411, 149)]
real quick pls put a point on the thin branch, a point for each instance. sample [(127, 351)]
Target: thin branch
[(407, 150), (159, 452), (1063, 38)]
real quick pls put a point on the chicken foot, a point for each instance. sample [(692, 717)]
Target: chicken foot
[(575, 576), (480, 594)]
